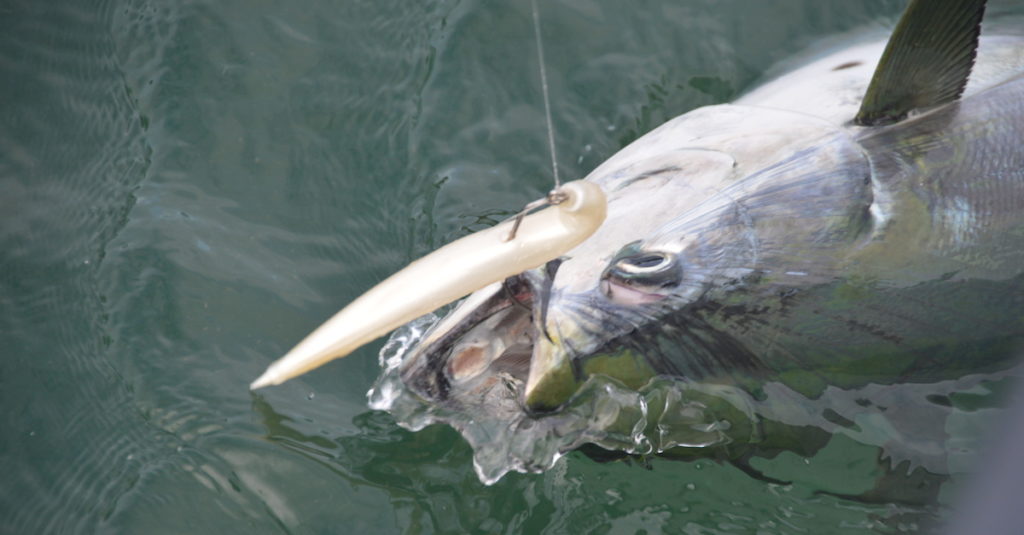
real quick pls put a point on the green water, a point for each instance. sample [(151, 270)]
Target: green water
[(188, 187)]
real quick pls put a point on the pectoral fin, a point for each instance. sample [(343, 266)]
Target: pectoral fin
[(926, 62)]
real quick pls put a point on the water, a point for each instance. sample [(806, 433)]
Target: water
[(189, 187)]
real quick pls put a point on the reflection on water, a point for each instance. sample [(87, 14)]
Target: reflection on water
[(189, 187), (425, 476)]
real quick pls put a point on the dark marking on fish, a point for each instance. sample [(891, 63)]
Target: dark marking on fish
[(754, 473), (847, 65), (840, 420), (649, 174), (939, 399), (873, 330)]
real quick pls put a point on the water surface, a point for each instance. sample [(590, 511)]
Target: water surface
[(188, 187)]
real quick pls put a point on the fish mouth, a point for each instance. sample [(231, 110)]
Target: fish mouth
[(489, 337), (497, 337), (502, 336)]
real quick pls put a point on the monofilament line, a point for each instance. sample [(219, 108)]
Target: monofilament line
[(544, 90)]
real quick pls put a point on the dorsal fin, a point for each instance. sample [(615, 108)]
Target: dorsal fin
[(926, 62)]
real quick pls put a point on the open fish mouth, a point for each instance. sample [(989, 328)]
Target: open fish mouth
[(488, 339), (527, 336)]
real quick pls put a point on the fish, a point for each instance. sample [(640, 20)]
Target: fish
[(854, 223), (790, 235)]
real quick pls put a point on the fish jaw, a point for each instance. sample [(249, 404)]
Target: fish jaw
[(552, 379), (555, 378)]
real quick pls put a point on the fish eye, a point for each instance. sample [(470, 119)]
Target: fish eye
[(644, 271), (645, 263)]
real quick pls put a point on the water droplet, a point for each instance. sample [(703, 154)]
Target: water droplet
[(311, 395)]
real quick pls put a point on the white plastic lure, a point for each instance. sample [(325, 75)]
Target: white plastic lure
[(446, 275)]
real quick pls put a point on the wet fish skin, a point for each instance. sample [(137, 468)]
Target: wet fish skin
[(819, 253)]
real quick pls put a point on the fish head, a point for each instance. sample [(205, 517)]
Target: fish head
[(699, 210)]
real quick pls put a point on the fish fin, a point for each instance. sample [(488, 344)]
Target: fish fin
[(926, 62)]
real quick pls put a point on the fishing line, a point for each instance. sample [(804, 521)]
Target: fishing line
[(554, 196), (544, 91)]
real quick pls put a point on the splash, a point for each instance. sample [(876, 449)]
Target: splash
[(908, 421), (666, 413)]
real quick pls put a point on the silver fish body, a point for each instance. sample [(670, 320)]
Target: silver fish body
[(773, 240)]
